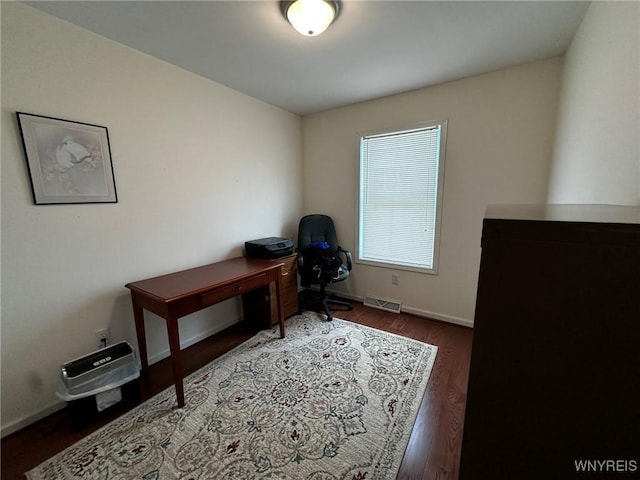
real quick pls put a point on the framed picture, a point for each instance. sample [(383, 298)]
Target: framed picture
[(69, 162)]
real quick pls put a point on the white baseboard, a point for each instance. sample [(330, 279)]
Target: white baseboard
[(27, 420), (416, 311), (438, 316), (193, 340), (56, 406)]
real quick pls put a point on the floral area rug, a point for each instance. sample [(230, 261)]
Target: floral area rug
[(331, 401)]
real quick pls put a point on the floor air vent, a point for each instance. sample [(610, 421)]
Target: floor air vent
[(388, 305)]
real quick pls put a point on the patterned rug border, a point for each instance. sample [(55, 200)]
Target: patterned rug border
[(265, 335)]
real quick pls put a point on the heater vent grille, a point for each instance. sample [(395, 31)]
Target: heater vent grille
[(382, 304)]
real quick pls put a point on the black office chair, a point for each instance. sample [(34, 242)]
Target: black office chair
[(320, 262)]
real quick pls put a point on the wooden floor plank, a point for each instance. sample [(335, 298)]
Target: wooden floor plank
[(433, 451)]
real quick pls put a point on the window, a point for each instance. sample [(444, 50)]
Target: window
[(401, 176)]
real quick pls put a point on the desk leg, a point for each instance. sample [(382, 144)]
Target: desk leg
[(176, 361), (279, 302), (138, 316)]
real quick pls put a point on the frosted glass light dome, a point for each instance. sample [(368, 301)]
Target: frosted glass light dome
[(311, 17)]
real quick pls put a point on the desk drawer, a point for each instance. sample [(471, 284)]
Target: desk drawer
[(233, 290)]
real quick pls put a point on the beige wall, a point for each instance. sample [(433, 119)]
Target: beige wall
[(597, 152), (199, 169), (499, 144)]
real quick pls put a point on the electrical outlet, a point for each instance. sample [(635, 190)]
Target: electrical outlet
[(395, 279), (103, 337)]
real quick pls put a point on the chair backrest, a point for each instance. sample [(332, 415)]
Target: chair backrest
[(316, 228)]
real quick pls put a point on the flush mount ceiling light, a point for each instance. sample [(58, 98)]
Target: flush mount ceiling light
[(310, 17)]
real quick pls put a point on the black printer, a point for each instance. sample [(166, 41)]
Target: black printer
[(270, 247)]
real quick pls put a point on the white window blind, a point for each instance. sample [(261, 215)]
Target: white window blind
[(400, 183)]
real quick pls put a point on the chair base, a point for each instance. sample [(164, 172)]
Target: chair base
[(314, 300)]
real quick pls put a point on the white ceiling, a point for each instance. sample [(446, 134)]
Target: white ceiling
[(374, 48)]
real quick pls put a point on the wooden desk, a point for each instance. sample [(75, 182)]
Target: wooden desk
[(178, 294)]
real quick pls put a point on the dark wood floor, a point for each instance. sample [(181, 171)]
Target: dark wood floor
[(433, 452)]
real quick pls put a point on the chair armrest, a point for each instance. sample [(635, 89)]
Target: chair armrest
[(347, 256)]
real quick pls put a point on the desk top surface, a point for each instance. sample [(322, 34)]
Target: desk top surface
[(196, 280)]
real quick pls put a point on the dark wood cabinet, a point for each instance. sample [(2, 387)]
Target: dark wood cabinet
[(289, 287), (257, 303), (555, 366)]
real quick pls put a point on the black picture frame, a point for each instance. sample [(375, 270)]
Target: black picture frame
[(69, 162)]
